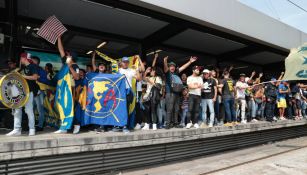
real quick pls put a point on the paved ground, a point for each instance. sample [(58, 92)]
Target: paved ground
[(281, 158)]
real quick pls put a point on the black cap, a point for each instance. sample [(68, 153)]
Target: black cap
[(196, 67)]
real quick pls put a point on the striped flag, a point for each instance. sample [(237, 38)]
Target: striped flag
[(51, 29)]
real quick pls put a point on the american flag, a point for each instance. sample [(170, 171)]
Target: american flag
[(51, 29)]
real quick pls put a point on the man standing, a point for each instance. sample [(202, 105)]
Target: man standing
[(270, 94), (241, 86), (173, 90), (130, 74), (31, 75), (195, 84), (227, 86), (209, 95)]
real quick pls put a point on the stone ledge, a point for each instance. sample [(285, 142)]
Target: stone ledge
[(52, 144)]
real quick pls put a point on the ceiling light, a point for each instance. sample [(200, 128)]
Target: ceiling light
[(101, 45), (89, 52)]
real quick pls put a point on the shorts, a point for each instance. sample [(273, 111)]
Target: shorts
[(282, 103)]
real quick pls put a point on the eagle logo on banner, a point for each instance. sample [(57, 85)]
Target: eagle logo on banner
[(106, 100)]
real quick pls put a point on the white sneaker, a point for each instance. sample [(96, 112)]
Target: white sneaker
[(243, 121), (254, 120), (210, 125), (31, 132), (146, 127), (189, 125), (154, 127), (203, 125), (15, 132), (76, 129), (60, 131), (137, 127), (196, 125)]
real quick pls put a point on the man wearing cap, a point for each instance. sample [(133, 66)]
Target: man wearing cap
[(31, 75), (241, 86), (195, 84), (173, 97), (270, 91), (209, 95), (130, 74)]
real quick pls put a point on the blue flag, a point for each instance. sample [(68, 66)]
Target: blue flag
[(106, 100), (64, 99)]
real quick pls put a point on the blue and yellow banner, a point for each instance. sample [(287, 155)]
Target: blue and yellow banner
[(64, 98), (106, 100)]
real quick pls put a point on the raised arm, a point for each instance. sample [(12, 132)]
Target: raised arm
[(60, 47), (155, 60), (142, 67), (258, 80), (94, 61), (281, 76), (165, 64), (186, 65)]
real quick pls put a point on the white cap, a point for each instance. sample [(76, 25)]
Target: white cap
[(206, 71)]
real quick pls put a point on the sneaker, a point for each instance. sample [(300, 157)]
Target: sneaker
[(115, 129), (210, 125), (254, 120), (31, 132), (126, 130), (244, 121), (60, 131), (15, 132), (137, 127), (154, 127), (196, 125), (189, 125), (228, 124), (38, 129), (203, 125), (146, 127), (76, 129), (274, 118), (283, 118), (167, 126)]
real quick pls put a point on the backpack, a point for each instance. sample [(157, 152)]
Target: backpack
[(176, 83)]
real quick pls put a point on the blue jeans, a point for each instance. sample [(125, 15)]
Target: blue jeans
[(229, 104), (29, 111), (161, 112), (252, 108), (184, 116), (39, 102), (210, 104)]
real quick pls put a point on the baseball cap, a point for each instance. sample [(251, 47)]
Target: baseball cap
[(242, 75), (172, 64), (125, 59), (206, 71), (196, 67)]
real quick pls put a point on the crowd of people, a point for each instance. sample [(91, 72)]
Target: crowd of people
[(168, 98)]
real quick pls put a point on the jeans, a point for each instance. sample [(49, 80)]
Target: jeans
[(210, 104), (217, 107), (29, 111), (172, 101), (161, 112), (193, 113), (269, 110), (242, 103), (303, 108), (39, 102), (252, 108), (260, 109), (184, 116), (229, 104)]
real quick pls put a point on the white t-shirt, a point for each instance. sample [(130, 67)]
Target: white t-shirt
[(129, 73), (195, 80), (241, 86)]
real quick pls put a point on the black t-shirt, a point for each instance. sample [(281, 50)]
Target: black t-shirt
[(30, 70), (208, 88)]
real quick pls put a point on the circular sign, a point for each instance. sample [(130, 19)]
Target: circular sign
[(14, 90)]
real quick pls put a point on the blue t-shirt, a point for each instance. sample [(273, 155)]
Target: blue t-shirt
[(283, 88)]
